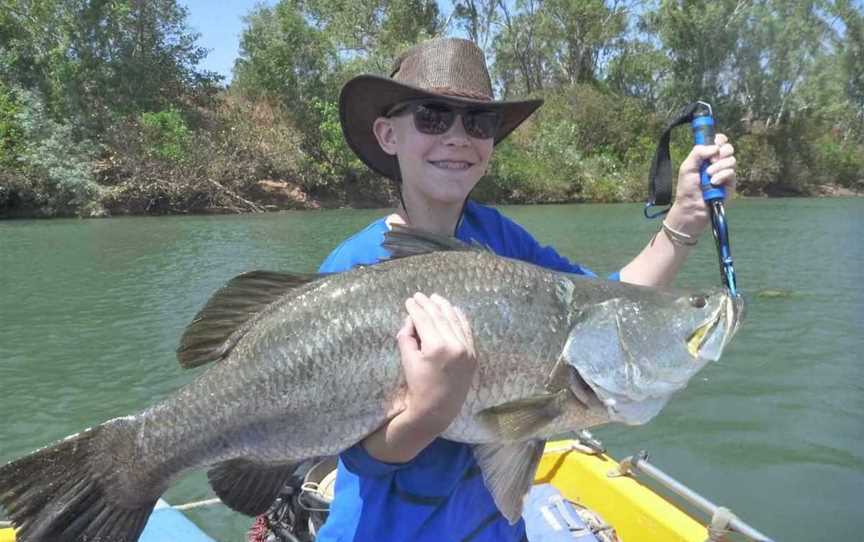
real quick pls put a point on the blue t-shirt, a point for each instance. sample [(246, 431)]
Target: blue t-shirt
[(439, 495)]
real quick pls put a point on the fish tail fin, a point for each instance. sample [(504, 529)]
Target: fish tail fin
[(64, 493)]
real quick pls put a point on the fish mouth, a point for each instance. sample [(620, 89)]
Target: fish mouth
[(710, 338), (583, 391), (703, 332)]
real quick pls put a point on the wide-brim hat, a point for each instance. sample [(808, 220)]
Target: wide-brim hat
[(450, 69)]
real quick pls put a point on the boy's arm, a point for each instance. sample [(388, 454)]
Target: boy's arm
[(438, 359), (660, 261)]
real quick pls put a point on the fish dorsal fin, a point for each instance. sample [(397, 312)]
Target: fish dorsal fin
[(403, 241), (224, 319), (508, 471), (521, 419)]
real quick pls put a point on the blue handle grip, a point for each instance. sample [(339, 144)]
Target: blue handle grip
[(703, 134)]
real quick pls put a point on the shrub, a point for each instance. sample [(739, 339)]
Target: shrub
[(333, 161), (838, 161), (583, 145), (166, 133), (758, 166), (11, 132), (55, 168)]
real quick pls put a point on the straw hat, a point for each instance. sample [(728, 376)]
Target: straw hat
[(450, 68)]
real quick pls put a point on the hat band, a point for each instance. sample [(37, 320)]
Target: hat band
[(459, 93)]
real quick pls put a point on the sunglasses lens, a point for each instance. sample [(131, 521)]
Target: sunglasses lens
[(482, 124), (436, 119), (433, 119)]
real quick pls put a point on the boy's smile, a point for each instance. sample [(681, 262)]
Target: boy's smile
[(451, 164)]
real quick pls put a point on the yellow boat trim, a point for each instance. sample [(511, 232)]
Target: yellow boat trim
[(637, 513)]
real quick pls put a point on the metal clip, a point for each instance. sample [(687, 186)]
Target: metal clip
[(585, 438), (628, 465)]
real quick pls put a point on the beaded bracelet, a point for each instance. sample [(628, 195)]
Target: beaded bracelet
[(678, 238)]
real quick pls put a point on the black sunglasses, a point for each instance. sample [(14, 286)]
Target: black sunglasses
[(435, 118)]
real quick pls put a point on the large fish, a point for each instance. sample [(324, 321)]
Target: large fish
[(306, 366)]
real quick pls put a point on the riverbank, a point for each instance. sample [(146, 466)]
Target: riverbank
[(278, 195)]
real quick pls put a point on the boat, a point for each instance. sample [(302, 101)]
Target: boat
[(611, 498), (166, 524)]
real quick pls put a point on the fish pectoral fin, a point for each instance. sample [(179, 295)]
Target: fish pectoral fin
[(224, 319), (508, 471), (249, 487), (520, 419)]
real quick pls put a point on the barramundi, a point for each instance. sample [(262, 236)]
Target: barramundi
[(304, 366)]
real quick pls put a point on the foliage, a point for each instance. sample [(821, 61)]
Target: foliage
[(334, 161), (585, 144), (11, 131), (54, 170), (166, 133), (838, 161), (283, 57), (759, 166), (94, 60)]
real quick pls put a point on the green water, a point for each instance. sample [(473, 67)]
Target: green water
[(91, 311)]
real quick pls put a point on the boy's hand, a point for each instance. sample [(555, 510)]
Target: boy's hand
[(439, 361), (689, 214)]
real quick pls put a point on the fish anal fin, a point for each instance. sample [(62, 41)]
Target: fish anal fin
[(508, 471), (522, 419), (224, 319), (247, 486)]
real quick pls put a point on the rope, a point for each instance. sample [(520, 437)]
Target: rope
[(719, 527), (196, 504)]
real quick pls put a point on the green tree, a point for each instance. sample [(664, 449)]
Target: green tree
[(852, 51), (477, 18), (553, 43), (518, 66), (282, 56), (637, 70), (93, 59), (576, 35), (699, 38)]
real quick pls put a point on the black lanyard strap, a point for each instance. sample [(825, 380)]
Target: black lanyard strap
[(660, 177)]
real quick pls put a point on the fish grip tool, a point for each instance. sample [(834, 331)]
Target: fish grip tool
[(701, 119)]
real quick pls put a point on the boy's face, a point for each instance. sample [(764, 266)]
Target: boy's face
[(439, 169)]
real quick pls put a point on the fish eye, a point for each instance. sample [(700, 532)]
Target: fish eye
[(698, 301)]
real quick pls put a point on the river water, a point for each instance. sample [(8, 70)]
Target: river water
[(91, 312)]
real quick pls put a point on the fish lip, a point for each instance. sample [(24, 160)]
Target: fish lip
[(729, 315), (703, 332), (730, 312)]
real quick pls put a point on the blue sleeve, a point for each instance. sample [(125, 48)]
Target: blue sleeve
[(363, 248), (357, 460)]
